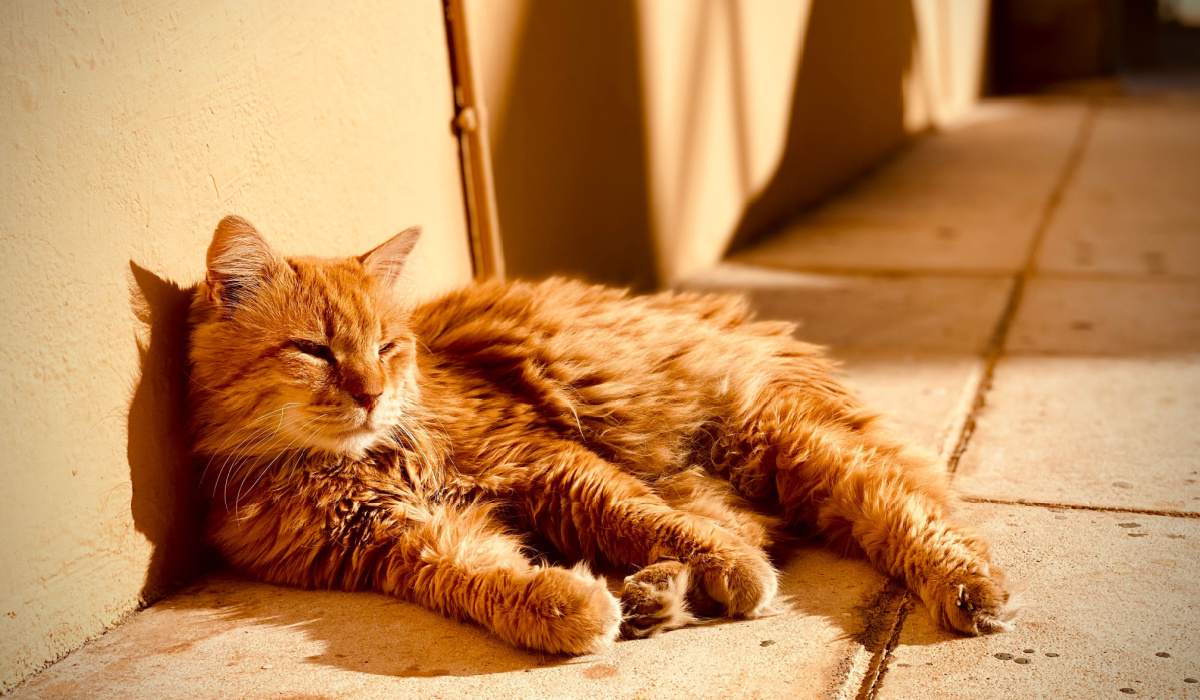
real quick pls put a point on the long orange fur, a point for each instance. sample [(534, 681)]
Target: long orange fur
[(351, 440)]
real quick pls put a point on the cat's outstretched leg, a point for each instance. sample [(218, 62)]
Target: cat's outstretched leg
[(454, 559), (867, 492), (590, 509), (460, 564)]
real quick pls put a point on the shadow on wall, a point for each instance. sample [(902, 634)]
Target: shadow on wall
[(847, 110), (570, 161), (571, 144), (160, 467)]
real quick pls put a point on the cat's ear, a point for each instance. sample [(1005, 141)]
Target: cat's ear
[(386, 261), (239, 261)]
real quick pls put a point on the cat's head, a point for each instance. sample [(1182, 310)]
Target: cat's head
[(298, 352)]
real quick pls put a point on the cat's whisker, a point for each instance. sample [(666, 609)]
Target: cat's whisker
[(249, 467), (250, 440), (242, 429), (220, 450), (264, 469), (241, 453)]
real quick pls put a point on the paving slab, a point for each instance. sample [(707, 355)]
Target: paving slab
[(1131, 207), (1098, 431), (1097, 400), (1124, 318), (968, 199), (926, 397), (1109, 603), (942, 314), (227, 637)]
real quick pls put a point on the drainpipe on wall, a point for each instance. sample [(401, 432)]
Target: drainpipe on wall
[(470, 124)]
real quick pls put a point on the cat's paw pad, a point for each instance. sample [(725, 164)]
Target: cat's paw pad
[(567, 611), (974, 603), (655, 599), (741, 581)]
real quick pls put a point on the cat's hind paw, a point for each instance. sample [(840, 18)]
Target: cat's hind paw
[(975, 603), (742, 581), (655, 599)]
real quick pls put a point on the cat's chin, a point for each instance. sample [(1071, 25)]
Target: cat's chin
[(354, 443)]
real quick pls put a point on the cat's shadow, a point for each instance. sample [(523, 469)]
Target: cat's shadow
[(378, 635), (162, 504), (360, 632)]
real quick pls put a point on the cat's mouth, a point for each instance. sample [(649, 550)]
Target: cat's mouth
[(351, 424), (355, 425), (350, 433)]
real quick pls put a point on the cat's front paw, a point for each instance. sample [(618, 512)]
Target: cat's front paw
[(567, 611), (742, 580), (975, 601), (655, 599)]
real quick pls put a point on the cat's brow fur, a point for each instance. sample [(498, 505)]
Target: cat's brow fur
[(672, 437)]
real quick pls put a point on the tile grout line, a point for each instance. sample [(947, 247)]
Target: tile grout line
[(1166, 513), (879, 661), (991, 357), (995, 346), (962, 273)]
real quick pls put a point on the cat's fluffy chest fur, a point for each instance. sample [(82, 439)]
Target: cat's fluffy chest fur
[(351, 441)]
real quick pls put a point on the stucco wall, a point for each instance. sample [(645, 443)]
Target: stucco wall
[(636, 141), (127, 129)]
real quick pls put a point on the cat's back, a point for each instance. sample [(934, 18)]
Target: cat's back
[(637, 375), (566, 311)]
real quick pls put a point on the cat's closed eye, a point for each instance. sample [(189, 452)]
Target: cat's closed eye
[(386, 348), (316, 350)]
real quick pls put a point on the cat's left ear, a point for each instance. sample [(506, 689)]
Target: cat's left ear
[(386, 261)]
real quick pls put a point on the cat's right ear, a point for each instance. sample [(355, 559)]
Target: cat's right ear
[(239, 261)]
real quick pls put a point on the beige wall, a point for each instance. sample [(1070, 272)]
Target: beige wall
[(127, 130), (637, 140)]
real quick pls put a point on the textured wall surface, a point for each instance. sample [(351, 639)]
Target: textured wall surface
[(635, 141), (126, 130)]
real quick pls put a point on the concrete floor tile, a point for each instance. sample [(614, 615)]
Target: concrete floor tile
[(231, 638), (1018, 135), (926, 397), (864, 244), (1134, 127), (1125, 318), (1131, 207), (968, 199), (1096, 236), (1109, 602), (1102, 431), (899, 315)]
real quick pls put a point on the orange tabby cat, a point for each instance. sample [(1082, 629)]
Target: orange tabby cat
[(354, 441)]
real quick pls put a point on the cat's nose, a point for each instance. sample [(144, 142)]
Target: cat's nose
[(366, 398), (363, 384)]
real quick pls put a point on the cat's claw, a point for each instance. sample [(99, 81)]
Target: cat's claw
[(973, 603)]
